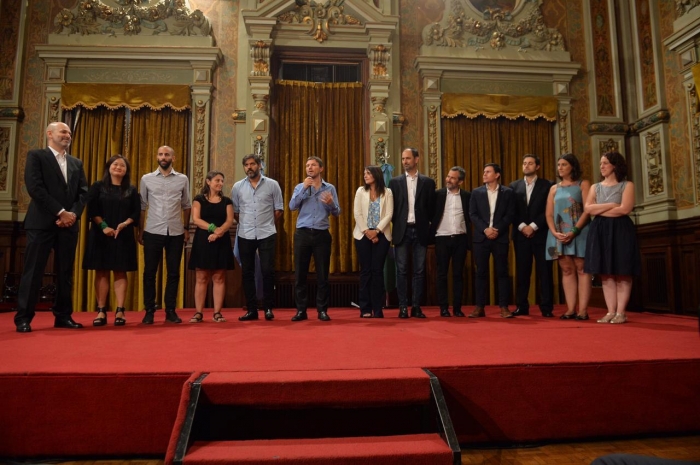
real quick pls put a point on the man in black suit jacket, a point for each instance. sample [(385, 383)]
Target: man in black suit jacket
[(491, 209), (530, 237), (56, 183), (451, 225), (414, 196)]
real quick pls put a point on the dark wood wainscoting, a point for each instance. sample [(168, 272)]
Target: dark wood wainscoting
[(670, 280)]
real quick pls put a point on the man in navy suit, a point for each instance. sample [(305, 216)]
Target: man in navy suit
[(491, 209), (451, 225), (530, 237), (414, 199), (56, 183)]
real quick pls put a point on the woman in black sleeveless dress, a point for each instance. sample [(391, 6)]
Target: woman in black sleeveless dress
[(211, 254), (114, 207), (611, 250)]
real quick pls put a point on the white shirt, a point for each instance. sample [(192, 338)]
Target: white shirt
[(529, 187), (453, 221), (493, 198), (411, 185), (62, 162)]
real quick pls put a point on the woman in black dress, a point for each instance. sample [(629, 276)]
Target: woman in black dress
[(114, 208), (211, 252), (611, 250)]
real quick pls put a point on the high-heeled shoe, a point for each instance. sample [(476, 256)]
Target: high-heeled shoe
[(582, 317), (100, 320), (568, 316), (119, 320), (619, 319), (607, 318)]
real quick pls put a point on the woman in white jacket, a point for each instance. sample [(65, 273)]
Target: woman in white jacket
[(374, 205)]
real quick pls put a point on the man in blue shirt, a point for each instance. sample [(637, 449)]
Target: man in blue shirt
[(315, 199), (257, 204)]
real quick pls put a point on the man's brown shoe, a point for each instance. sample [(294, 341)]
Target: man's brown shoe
[(477, 313), (505, 313)]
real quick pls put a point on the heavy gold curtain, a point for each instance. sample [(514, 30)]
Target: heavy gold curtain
[(473, 142), (325, 120), (100, 133)]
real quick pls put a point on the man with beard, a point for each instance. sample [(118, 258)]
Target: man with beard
[(315, 199), (452, 241), (56, 183), (530, 237), (257, 204), (165, 193)]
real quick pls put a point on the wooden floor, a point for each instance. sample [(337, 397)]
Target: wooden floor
[(678, 448)]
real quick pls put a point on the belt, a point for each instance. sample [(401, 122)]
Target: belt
[(312, 230)]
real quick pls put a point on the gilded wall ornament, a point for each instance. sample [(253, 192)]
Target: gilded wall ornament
[(433, 125), (496, 27), (607, 146), (260, 54), (200, 137), (4, 157), (563, 131), (684, 6), (128, 18), (381, 156), (695, 136), (319, 16), (654, 163), (379, 55)]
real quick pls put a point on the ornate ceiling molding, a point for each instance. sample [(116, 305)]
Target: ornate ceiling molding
[(684, 6), (321, 17)]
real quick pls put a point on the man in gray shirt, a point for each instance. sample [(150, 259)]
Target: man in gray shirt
[(165, 193), (257, 204)]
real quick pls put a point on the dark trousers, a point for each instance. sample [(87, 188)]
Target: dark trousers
[(482, 253), (153, 245), (266, 250), (525, 250), (409, 245), (372, 257), (307, 243), (39, 244), (451, 248)]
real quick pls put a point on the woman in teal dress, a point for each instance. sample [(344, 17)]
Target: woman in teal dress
[(566, 239)]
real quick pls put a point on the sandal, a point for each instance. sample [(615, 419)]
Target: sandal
[(619, 319), (100, 320), (219, 318), (197, 318), (119, 320), (366, 315), (608, 316)]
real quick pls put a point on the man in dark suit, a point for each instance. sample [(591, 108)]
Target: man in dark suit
[(414, 196), (491, 209), (451, 225), (530, 237), (56, 183)]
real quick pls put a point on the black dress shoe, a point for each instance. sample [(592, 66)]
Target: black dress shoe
[(568, 317), (171, 316), (269, 316), (521, 312), (323, 316), (301, 315), (444, 312), (458, 312), (250, 315), (379, 314), (148, 317), (66, 323), (416, 312), (403, 312), (24, 328), (582, 317), (547, 314)]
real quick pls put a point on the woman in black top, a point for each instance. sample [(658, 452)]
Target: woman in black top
[(114, 208), (211, 254)]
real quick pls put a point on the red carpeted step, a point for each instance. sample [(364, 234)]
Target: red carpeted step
[(415, 449), (397, 386)]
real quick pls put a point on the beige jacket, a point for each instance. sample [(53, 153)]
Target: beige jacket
[(361, 209)]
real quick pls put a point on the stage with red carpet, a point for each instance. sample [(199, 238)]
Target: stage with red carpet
[(118, 391)]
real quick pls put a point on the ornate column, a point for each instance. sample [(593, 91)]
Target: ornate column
[(381, 143), (432, 106), (201, 121), (260, 83)]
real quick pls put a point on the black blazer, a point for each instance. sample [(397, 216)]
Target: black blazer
[(440, 200), (425, 201), (49, 190), (533, 212), (479, 212)]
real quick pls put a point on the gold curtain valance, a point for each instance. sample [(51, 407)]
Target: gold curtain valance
[(496, 105), (696, 78), (132, 96)]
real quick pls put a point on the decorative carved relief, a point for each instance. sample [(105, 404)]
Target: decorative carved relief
[(398, 119), (433, 125), (260, 54), (261, 102), (695, 136), (129, 75), (129, 18), (603, 62), (647, 63), (259, 147), (662, 116), (654, 163), (381, 156), (200, 137), (380, 57), (563, 121), (319, 16), (684, 6), (496, 27), (4, 157), (378, 104), (54, 109), (605, 146), (239, 116), (607, 128)]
